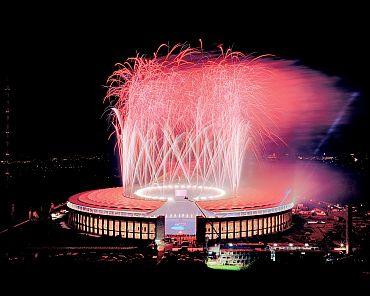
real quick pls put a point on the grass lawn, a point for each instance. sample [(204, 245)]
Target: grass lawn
[(223, 267)]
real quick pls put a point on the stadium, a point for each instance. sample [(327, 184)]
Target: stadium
[(107, 212), (187, 124)]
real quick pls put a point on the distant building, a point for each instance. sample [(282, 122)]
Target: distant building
[(6, 126), (239, 254), (348, 229)]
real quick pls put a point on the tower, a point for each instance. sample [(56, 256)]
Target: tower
[(6, 130), (348, 229), (6, 140)]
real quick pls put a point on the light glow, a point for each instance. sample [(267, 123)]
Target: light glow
[(166, 192)]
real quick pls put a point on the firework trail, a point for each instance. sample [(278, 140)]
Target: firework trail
[(191, 116), (337, 121)]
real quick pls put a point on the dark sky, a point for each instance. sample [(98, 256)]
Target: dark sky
[(57, 59)]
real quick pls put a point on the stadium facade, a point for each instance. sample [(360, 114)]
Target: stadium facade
[(107, 212)]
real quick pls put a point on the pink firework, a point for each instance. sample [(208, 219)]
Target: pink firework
[(190, 117)]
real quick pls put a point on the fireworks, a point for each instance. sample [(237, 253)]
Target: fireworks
[(190, 117)]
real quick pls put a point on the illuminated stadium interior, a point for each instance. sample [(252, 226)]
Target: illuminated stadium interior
[(194, 192)]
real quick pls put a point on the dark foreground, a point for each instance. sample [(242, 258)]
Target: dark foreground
[(44, 255)]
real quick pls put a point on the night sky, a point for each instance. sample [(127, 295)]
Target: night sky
[(57, 60)]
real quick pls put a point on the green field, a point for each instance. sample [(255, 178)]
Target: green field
[(223, 267)]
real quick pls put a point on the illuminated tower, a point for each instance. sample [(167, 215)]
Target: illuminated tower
[(348, 229), (6, 137), (6, 130)]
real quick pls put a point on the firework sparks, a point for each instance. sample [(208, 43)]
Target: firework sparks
[(190, 116)]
